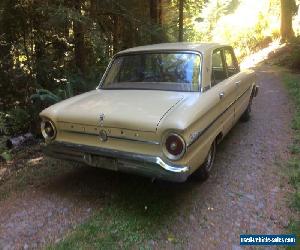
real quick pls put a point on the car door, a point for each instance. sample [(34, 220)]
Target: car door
[(239, 80), (224, 87)]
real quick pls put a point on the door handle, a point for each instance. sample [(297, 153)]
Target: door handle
[(221, 95), (237, 83)]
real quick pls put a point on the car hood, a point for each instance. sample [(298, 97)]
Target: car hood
[(130, 109)]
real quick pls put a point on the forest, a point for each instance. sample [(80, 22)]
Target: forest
[(52, 50)]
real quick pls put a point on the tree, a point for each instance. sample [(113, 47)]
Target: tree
[(155, 19), (79, 39), (180, 22), (288, 9)]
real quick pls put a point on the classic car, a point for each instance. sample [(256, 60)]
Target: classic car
[(159, 111)]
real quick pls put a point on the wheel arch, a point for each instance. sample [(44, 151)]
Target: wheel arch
[(219, 137)]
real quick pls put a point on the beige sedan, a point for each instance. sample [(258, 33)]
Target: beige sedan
[(159, 111)]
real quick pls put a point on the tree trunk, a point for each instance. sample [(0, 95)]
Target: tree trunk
[(160, 12), (287, 11), (153, 11), (41, 77), (79, 40), (155, 18), (180, 23), (116, 33), (93, 9)]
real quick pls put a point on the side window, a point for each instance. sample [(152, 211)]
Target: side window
[(232, 67), (218, 70)]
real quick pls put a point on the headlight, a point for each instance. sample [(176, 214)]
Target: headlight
[(174, 146), (48, 130)]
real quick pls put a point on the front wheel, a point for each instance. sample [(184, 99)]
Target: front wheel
[(204, 170)]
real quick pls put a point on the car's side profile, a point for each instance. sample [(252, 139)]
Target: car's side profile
[(159, 111)]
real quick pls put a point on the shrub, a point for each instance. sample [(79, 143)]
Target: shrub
[(44, 98), (15, 121), (291, 59), (295, 54)]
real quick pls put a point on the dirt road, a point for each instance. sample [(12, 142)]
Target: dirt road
[(247, 192)]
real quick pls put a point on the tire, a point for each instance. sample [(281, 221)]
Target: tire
[(203, 172), (247, 113)]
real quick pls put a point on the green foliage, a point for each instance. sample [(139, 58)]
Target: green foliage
[(294, 167), (6, 156), (3, 148), (295, 228), (64, 46), (294, 58), (293, 84), (44, 98), (291, 60), (213, 11), (15, 121), (69, 40), (232, 22)]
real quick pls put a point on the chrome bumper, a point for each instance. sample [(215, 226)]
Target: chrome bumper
[(147, 165)]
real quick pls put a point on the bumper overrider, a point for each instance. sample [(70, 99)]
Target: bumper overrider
[(147, 165)]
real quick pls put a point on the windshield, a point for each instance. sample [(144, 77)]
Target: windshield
[(156, 71)]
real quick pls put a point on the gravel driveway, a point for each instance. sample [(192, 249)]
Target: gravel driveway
[(247, 192)]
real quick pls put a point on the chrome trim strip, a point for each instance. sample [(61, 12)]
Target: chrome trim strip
[(105, 127), (164, 115), (243, 93), (132, 139), (79, 132), (115, 137), (135, 130), (201, 132)]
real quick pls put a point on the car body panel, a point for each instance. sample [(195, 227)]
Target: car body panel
[(245, 86), (131, 109)]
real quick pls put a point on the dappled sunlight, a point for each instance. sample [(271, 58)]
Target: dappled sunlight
[(35, 161), (245, 26), (247, 16), (296, 22), (260, 56), (250, 23)]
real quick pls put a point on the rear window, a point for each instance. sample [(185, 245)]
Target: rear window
[(155, 71)]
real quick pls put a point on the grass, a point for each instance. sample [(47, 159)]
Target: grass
[(30, 168), (132, 211), (292, 82), (134, 218)]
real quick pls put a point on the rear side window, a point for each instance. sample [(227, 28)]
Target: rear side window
[(218, 68), (231, 63)]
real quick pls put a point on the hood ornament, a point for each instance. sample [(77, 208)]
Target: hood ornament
[(101, 119)]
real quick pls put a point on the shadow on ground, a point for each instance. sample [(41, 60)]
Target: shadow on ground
[(155, 203)]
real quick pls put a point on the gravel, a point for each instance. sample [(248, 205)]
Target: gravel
[(247, 192), (248, 189)]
